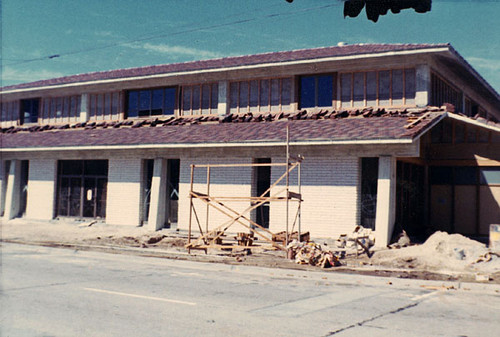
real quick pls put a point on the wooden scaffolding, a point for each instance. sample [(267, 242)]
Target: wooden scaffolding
[(213, 237)]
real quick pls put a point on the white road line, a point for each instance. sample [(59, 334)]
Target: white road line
[(421, 297), (139, 296)]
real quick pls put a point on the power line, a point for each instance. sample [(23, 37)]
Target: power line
[(186, 31)]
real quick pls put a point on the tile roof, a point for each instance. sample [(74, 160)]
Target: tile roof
[(221, 63), (326, 125)]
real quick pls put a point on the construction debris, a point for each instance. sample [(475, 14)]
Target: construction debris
[(311, 253), (359, 238), (403, 240)]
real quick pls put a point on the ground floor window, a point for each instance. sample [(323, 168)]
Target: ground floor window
[(82, 186)]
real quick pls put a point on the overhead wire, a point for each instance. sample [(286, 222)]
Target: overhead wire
[(170, 34)]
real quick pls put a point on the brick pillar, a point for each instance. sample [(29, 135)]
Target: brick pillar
[(4, 175), (84, 108), (386, 200), (13, 193), (423, 85), (223, 99), (158, 195), (42, 179)]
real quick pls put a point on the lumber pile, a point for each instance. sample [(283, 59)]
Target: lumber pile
[(313, 254)]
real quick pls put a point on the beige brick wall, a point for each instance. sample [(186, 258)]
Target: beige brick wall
[(329, 189), (233, 181), (124, 191), (41, 189)]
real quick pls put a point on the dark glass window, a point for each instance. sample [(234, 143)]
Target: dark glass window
[(307, 92), (465, 176), (441, 175), (151, 102), (29, 111), (316, 91)]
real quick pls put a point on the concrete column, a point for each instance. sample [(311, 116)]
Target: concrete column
[(423, 85), (223, 104), (13, 193), (158, 195), (42, 179), (84, 108), (4, 175), (386, 200)]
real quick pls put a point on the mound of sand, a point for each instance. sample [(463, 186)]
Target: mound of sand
[(443, 252)]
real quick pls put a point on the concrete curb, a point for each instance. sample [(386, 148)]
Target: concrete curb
[(342, 275)]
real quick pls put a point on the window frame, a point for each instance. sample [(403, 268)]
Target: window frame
[(165, 106), (406, 96), (198, 106), (316, 92), (265, 93), (22, 117)]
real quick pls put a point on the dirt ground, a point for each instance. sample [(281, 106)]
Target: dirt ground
[(442, 257)]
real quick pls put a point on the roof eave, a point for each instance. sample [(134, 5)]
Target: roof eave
[(439, 49)]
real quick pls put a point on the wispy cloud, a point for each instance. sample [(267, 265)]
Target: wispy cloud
[(176, 50), (11, 75), (483, 63)]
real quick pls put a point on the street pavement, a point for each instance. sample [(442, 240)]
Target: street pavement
[(61, 292)]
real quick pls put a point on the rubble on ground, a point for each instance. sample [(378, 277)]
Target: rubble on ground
[(311, 253)]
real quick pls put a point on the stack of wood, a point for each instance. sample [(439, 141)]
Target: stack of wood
[(312, 254)]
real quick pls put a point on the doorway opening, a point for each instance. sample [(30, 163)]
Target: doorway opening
[(262, 182)]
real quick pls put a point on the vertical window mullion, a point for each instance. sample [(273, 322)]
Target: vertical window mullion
[(404, 86), (258, 95), (378, 88), (352, 89), (365, 100), (390, 87)]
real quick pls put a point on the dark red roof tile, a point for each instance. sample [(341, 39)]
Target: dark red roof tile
[(230, 129)]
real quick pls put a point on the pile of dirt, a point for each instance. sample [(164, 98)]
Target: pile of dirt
[(443, 252)]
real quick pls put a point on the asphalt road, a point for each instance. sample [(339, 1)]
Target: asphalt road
[(61, 292)]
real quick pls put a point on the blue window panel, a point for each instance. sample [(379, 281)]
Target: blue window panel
[(144, 102), (325, 90), (133, 99), (170, 96), (307, 92)]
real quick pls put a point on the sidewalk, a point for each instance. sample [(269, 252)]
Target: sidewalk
[(169, 243)]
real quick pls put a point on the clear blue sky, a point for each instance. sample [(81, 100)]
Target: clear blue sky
[(96, 35)]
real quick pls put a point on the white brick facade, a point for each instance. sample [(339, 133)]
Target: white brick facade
[(124, 192), (232, 181), (42, 180), (329, 188)]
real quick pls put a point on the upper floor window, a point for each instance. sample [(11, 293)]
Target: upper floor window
[(151, 102), (260, 95), (60, 109), (29, 111), (378, 88), (106, 106), (200, 99), (317, 91), (442, 92), (10, 112)]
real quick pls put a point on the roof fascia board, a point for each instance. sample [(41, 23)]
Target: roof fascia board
[(253, 66), (473, 71), (431, 125), (213, 145), (473, 122)]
